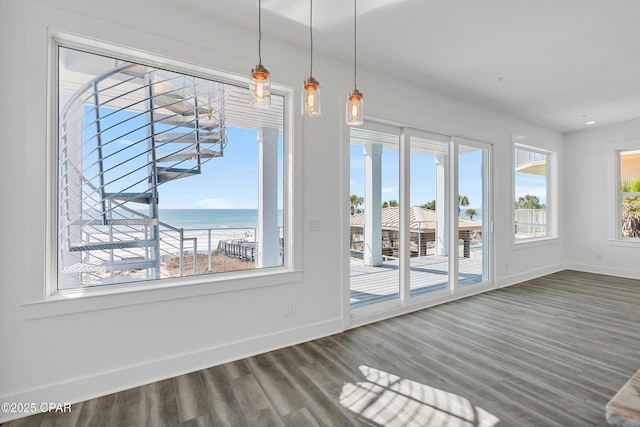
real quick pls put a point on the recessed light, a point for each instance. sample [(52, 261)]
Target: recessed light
[(590, 122)]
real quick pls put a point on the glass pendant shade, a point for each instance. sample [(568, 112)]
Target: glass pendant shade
[(355, 112), (354, 109), (260, 87), (311, 98)]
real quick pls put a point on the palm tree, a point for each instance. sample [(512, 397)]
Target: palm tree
[(470, 213), (393, 203), (529, 201), (385, 205), (431, 205), (462, 201), (355, 202)]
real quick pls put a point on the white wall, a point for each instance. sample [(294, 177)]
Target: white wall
[(77, 356), (590, 186)]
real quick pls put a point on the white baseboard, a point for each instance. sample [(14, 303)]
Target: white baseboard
[(600, 269), (81, 389), (438, 298), (530, 274)]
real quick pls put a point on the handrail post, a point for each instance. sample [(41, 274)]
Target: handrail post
[(96, 109), (195, 256), (209, 251), (221, 120), (419, 238), (153, 173), (181, 252), (196, 108), (146, 250)]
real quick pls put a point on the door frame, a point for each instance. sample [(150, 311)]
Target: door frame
[(405, 303)]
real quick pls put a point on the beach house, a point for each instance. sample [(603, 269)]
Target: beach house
[(189, 239)]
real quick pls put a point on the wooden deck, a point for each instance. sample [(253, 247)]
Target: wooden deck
[(371, 285), (238, 249)]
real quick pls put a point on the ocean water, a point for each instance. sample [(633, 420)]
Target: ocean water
[(230, 218), (212, 218)]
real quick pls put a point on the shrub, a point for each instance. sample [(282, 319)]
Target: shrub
[(630, 185)]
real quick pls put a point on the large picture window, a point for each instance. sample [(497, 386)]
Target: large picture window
[(532, 201), (629, 194), (162, 174)]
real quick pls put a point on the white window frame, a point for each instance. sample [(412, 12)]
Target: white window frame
[(59, 302), (552, 195), (617, 216)]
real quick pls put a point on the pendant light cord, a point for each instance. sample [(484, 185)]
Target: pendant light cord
[(311, 37), (355, 43), (259, 32)]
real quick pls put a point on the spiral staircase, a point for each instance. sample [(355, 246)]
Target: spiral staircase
[(124, 134)]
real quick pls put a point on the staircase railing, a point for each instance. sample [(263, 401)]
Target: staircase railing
[(112, 133)]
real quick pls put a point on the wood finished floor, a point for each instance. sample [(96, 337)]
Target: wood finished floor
[(548, 352)]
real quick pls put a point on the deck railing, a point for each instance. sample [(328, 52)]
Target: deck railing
[(524, 157), (530, 223), (422, 239)]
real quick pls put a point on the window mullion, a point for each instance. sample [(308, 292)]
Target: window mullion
[(404, 226), (453, 215)]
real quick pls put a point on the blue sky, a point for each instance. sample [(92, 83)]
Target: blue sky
[(423, 176), (228, 182), (231, 182), (422, 179), (535, 185)]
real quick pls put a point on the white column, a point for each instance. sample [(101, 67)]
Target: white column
[(372, 204), (267, 233), (442, 201)]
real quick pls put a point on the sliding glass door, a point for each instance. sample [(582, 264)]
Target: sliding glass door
[(419, 216), (374, 241), (428, 212), (473, 217)]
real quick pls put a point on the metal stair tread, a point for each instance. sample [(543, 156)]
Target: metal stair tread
[(167, 174), (180, 155), (176, 105), (124, 264), (188, 137), (133, 221), (126, 244), (130, 197), (183, 121), (117, 221)]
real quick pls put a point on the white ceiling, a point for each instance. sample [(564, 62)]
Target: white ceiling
[(558, 63)]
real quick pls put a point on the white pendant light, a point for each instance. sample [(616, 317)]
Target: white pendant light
[(310, 102), (354, 109), (260, 82)]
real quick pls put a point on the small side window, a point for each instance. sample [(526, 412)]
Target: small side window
[(532, 210), (629, 194)]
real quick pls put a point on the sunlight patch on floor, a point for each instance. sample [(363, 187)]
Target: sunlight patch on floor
[(389, 400)]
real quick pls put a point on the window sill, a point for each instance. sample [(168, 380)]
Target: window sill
[(542, 241), (86, 300), (625, 243)]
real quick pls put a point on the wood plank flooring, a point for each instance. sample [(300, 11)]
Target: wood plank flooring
[(548, 352)]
